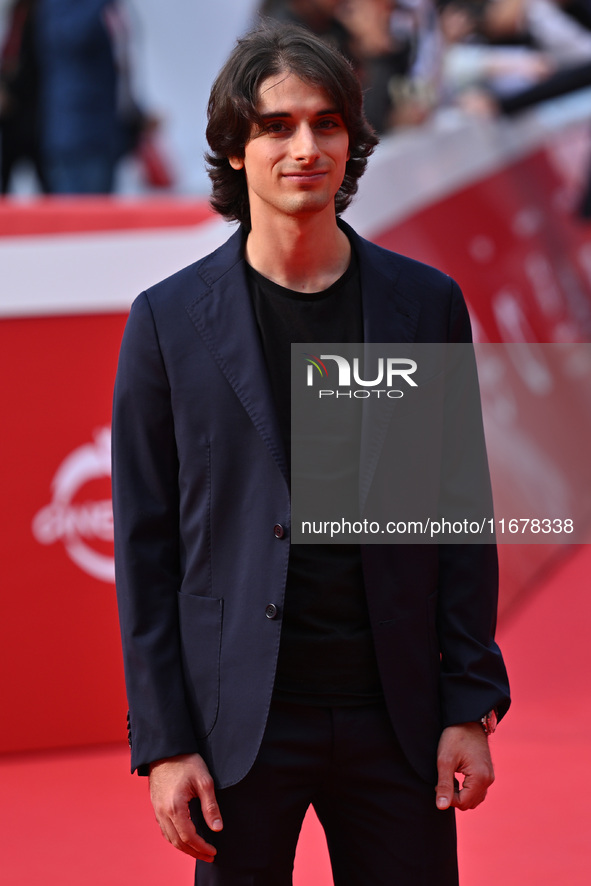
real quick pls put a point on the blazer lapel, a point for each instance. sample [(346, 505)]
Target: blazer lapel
[(224, 318), (389, 316)]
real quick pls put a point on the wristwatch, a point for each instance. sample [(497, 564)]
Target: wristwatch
[(489, 722)]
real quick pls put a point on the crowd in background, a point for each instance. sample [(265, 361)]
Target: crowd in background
[(67, 102), (488, 56)]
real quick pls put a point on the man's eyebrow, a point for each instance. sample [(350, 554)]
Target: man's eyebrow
[(326, 112)]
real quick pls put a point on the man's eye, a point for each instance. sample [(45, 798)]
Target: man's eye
[(276, 127)]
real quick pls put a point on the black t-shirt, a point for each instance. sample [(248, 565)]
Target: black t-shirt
[(326, 654)]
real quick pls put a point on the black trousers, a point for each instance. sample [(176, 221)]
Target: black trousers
[(381, 823)]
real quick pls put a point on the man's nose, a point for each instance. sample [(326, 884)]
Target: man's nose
[(304, 144)]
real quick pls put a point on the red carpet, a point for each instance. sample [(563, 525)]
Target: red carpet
[(535, 827), (78, 818)]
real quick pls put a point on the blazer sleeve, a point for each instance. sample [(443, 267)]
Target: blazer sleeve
[(147, 549), (473, 678)]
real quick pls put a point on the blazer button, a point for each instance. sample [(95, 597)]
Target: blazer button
[(271, 611), (278, 530)]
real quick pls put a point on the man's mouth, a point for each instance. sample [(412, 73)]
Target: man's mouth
[(308, 175)]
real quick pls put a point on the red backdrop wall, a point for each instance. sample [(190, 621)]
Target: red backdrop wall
[(59, 646)]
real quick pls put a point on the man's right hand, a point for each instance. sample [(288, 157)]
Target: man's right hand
[(173, 783)]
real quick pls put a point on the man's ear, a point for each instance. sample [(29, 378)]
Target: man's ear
[(236, 162)]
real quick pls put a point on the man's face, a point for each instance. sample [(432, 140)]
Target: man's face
[(295, 164)]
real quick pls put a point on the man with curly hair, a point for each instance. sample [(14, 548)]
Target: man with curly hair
[(264, 677)]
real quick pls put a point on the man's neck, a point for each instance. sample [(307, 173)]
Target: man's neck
[(302, 255)]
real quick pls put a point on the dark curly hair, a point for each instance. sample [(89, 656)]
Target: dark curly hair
[(269, 50)]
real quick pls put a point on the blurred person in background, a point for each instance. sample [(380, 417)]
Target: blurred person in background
[(89, 118), (384, 39), (80, 126), (19, 96), (319, 16), (362, 30)]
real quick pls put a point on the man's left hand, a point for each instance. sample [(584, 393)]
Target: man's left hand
[(463, 749)]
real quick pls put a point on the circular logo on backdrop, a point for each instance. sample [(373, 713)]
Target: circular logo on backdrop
[(80, 515)]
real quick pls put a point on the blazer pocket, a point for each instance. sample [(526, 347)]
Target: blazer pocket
[(200, 620)]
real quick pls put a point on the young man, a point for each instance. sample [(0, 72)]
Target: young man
[(264, 677)]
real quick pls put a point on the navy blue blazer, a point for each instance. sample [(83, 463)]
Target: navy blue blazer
[(202, 518)]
